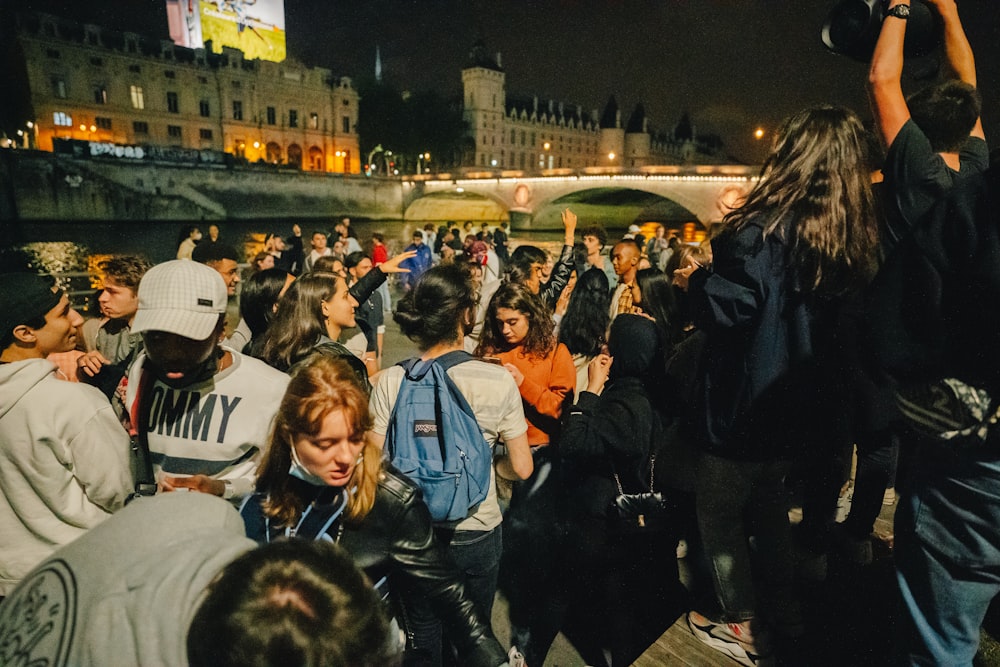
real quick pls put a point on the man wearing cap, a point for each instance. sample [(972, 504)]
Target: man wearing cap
[(64, 456), (205, 408)]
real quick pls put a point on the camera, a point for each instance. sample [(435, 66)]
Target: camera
[(853, 26)]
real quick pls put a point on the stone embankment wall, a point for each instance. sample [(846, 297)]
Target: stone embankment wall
[(45, 186)]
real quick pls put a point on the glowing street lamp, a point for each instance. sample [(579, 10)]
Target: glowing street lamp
[(611, 157), (759, 134)]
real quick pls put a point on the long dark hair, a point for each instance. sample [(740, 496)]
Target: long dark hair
[(258, 297), (540, 340), (584, 326), (816, 182), (656, 299), (298, 324)]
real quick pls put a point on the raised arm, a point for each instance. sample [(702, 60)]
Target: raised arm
[(958, 51), (884, 85)]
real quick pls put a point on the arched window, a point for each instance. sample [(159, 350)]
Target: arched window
[(273, 152), (316, 159), (295, 156)]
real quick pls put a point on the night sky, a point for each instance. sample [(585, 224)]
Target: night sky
[(733, 65)]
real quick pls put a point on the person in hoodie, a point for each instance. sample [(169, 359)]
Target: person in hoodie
[(64, 456), (193, 591), (611, 441)]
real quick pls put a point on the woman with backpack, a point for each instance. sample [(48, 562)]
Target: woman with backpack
[(774, 385), (436, 314), (321, 479)]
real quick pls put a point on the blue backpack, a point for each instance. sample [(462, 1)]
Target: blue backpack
[(434, 439)]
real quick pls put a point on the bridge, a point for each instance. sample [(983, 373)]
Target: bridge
[(617, 198), (45, 186)]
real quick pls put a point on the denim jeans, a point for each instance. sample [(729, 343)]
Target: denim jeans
[(730, 495), (476, 554), (947, 551)]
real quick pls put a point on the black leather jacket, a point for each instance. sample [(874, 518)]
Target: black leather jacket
[(550, 291), (396, 541)]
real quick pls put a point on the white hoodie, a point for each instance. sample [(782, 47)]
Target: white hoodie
[(64, 464), (125, 593)]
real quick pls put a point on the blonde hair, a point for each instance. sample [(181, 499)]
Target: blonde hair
[(320, 385)]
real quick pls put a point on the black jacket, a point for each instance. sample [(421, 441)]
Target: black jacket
[(396, 541), (775, 362), (550, 291)]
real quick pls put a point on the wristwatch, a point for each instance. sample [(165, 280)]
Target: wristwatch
[(898, 11)]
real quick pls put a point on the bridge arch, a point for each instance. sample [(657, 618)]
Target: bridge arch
[(457, 204), (615, 207), (704, 192)]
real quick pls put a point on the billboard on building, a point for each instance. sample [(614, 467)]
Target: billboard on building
[(255, 27)]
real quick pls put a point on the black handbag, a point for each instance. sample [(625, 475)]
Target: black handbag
[(639, 512)]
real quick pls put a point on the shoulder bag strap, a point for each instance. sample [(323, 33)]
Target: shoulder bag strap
[(145, 481)]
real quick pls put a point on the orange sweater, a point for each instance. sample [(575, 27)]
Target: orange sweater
[(547, 382)]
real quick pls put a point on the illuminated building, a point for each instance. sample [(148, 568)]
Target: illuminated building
[(507, 132), (85, 83)]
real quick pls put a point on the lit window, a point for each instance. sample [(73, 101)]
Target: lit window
[(61, 119), (314, 121), (137, 100)]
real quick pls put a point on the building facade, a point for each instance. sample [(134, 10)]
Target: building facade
[(507, 132), (85, 83)]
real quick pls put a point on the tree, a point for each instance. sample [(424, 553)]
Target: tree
[(409, 125)]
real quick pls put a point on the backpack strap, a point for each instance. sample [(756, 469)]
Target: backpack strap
[(454, 358), (416, 367)]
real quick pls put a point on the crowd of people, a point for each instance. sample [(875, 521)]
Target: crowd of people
[(636, 399)]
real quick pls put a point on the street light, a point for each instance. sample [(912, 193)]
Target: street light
[(759, 134)]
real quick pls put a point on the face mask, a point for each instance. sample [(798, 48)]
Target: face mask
[(299, 470), (204, 372)]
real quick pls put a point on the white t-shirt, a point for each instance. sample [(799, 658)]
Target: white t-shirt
[(496, 402), (217, 428)]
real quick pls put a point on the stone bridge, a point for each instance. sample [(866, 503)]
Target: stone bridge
[(669, 194)]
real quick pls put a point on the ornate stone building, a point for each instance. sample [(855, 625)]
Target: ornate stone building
[(507, 132), (82, 82)]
